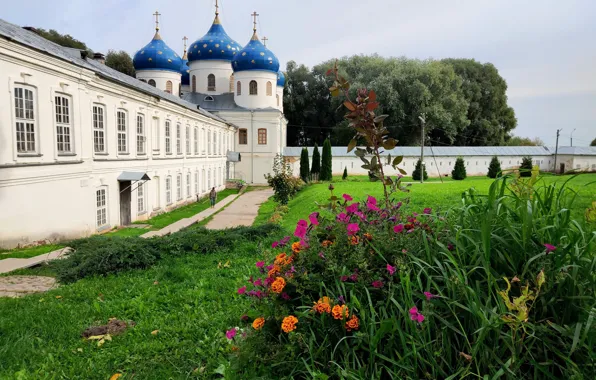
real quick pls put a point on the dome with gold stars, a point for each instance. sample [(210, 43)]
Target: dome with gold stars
[(156, 55), (215, 45), (255, 56)]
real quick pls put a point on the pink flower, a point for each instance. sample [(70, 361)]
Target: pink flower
[(244, 318), (360, 215), (354, 277), (274, 244), (258, 282), (415, 315), (429, 295), (550, 248), (242, 290), (230, 334), (371, 200), (342, 217), (419, 318), (300, 231), (303, 223), (344, 278), (377, 284), (352, 229), (390, 269), (427, 210), (413, 310), (268, 281), (347, 197), (399, 228), (285, 296), (352, 208), (313, 218), (450, 247), (260, 264)]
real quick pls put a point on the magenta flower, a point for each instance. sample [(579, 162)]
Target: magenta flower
[(429, 295), (244, 318), (450, 247), (415, 315), (258, 282), (377, 284), (313, 218), (371, 200), (399, 228), (347, 197), (352, 229), (300, 231), (390, 269), (342, 217), (352, 208), (274, 244), (260, 264), (303, 223), (285, 296), (321, 255), (343, 278), (354, 277), (360, 215), (242, 290), (427, 210), (268, 281), (230, 334), (550, 248)]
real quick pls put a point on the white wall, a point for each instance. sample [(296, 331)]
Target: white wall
[(201, 70), (161, 78), (47, 194), (280, 96), (261, 100)]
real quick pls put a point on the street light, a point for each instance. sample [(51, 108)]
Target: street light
[(572, 136)]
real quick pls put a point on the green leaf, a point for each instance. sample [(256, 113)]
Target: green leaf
[(374, 161), (389, 144), (402, 171), (398, 160), (334, 91), (388, 158), (360, 152), (352, 145), (367, 167)]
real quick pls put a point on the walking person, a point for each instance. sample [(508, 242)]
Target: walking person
[(212, 197)]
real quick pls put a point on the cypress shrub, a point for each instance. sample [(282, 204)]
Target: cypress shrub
[(345, 175), (304, 169), (315, 170), (459, 170), (419, 169), (525, 169), (494, 168), (326, 168)]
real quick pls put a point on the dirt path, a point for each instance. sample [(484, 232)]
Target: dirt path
[(242, 212)]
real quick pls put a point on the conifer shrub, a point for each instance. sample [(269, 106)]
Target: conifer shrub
[(345, 175), (418, 170), (315, 170), (326, 164), (494, 168), (459, 170), (525, 169), (304, 167)]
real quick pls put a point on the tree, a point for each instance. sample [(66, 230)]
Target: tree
[(420, 168), (120, 61), (326, 166), (345, 175), (494, 168), (525, 169), (65, 40), (524, 141), (316, 164), (304, 172), (459, 170), (593, 143)]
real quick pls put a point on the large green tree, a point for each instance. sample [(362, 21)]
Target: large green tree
[(65, 40), (120, 61), (304, 169), (316, 164), (593, 143), (524, 141)]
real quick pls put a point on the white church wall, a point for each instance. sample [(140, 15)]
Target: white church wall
[(222, 70), (161, 78), (279, 98), (261, 99)]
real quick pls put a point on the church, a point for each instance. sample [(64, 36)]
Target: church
[(85, 148)]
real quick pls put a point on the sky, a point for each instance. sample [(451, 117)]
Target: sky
[(545, 50)]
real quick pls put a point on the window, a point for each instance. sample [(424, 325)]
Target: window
[(178, 138), (211, 82), (179, 186), (188, 194), (188, 139), (196, 140), (121, 122), (194, 83), (208, 178), (168, 138), (168, 190), (277, 99), (252, 87), (143, 80), (269, 89), (140, 199), (63, 127), (238, 88), (232, 83), (151, 83), (208, 98), (242, 137), (101, 207), (99, 145), (204, 180), (203, 139), (25, 119), (209, 142), (262, 136), (169, 87), (196, 182), (140, 134)]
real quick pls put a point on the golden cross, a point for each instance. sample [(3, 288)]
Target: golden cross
[(255, 14), (157, 14), (216, 8), (185, 39), (265, 39)]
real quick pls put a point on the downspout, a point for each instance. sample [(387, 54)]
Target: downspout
[(252, 151)]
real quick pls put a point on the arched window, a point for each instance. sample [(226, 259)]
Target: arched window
[(252, 87), (211, 82), (269, 89), (262, 136), (277, 98), (169, 87), (232, 83), (143, 80), (194, 83), (238, 88), (151, 82)]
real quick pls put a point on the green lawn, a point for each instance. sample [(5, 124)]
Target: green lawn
[(433, 194), (26, 253)]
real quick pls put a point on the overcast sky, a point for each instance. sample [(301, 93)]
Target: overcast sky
[(545, 50)]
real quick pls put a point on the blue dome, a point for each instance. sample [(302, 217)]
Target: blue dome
[(281, 79), (215, 45), (157, 56), (185, 70), (255, 56)]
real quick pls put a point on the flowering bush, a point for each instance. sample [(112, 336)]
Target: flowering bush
[(366, 290)]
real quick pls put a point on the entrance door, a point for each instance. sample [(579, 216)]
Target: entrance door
[(562, 168), (124, 203)]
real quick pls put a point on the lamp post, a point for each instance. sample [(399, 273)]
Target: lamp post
[(571, 137)]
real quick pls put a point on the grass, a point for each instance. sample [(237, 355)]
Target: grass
[(128, 232), (25, 253), (433, 194)]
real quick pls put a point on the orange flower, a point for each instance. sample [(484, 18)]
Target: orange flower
[(278, 285), (353, 323), (339, 312), (275, 270), (296, 247), (289, 323), (326, 243), (235, 348), (280, 259), (258, 323), (354, 240), (368, 236), (322, 306)]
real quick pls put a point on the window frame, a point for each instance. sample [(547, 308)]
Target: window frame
[(169, 86), (196, 182), (97, 130), (232, 83), (63, 123), (141, 204), (188, 151), (211, 85), (262, 136), (178, 138), (253, 88), (269, 88), (179, 187), (242, 132), (30, 137), (196, 140), (101, 207), (238, 88), (168, 136), (188, 185), (122, 134), (168, 190), (141, 135), (151, 82)]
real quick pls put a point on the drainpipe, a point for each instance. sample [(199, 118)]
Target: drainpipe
[(252, 150)]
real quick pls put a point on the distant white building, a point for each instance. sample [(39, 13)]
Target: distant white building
[(439, 161)]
